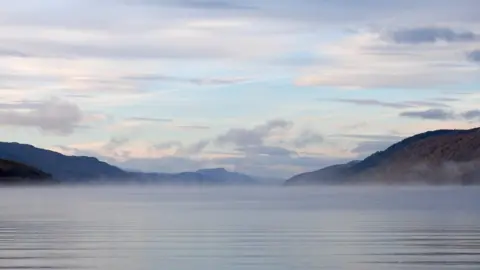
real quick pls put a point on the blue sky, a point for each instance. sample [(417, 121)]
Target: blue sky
[(270, 88)]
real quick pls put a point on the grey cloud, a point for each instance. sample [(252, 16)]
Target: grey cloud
[(431, 35), (432, 114), (394, 105), (446, 99), (305, 60), (307, 138), (116, 49), (194, 4), (218, 81), (193, 149), (471, 115), (120, 38), (419, 103), (167, 145), (112, 147), (373, 102), (252, 137), (76, 95), (222, 5), (474, 56), (197, 127), (52, 116), (266, 150), (354, 11), (181, 149), (13, 53), (112, 14), (24, 104), (115, 143), (277, 164), (150, 119), (196, 81)]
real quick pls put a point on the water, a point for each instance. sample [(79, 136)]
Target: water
[(239, 228)]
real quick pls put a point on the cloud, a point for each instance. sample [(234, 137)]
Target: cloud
[(395, 105), (102, 14), (195, 81), (437, 114), (252, 137), (115, 143), (265, 151), (193, 149), (373, 102), (176, 40), (149, 119), (167, 145), (197, 127), (307, 138), (471, 115), (364, 149), (374, 137), (54, 116), (474, 56), (432, 114), (212, 5), (430, 35), (446, 99), (364, 60), (24, 104), (366, 144), (193, 4)]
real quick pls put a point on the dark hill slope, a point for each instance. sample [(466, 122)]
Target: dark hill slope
[(12, 172), (435, 157), (60, 166)]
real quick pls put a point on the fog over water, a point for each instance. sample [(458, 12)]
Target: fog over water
[(268, 228)]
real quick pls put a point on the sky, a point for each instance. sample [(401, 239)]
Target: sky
[(270, 88)]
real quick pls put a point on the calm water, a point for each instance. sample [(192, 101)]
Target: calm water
[(239, 228)]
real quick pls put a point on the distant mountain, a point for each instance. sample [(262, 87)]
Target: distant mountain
[(328, 176), (60, 166), (220, 175), (14, 173), (441, 157), (86, 169), (217, 176)]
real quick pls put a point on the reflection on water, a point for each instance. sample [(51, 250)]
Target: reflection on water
[(239, 228)]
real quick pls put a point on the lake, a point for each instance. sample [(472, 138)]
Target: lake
[(268, 228)]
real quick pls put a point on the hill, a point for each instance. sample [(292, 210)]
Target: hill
[(218, 176), (441, 157), (87, 169), (13, 173), (58, 165)]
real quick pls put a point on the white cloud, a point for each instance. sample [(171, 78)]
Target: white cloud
[(52, 116), (365, 60)]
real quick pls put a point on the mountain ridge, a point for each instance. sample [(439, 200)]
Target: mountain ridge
[(85, 169), (437, 157), (12, 172)]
